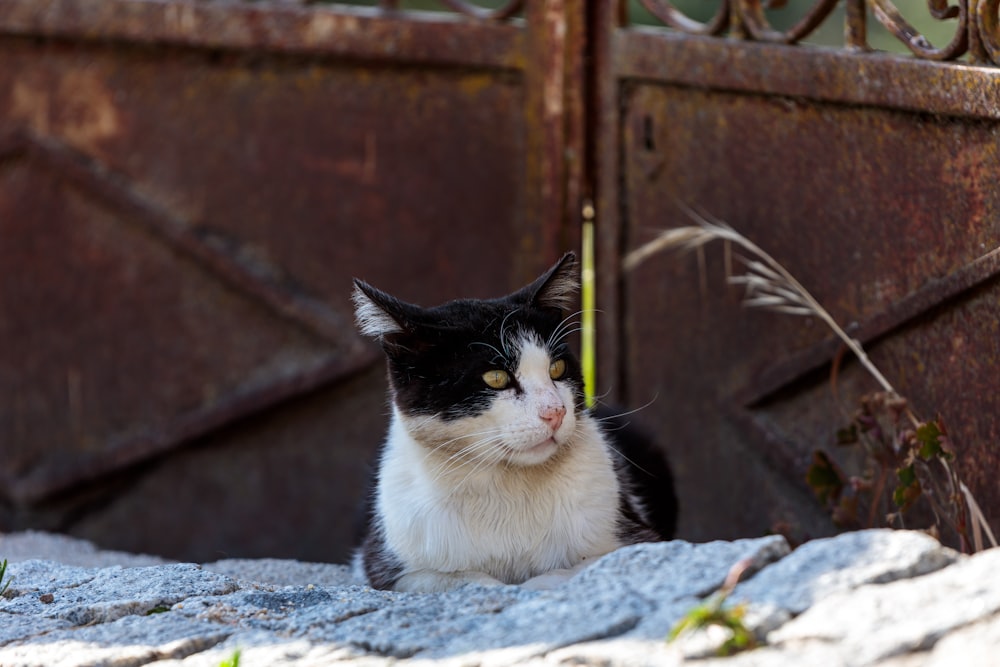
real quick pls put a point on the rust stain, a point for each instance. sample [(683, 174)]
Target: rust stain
[(88, 114), (363, 170), (30, 104), (79, 107), (323, 27)]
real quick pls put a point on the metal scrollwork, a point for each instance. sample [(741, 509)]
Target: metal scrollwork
[(887, 14), (502, 13), (977, 24), (665, 11), (988, 28), (757, 25)]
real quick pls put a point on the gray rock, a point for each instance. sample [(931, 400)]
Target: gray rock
[(676, 575), (290, 610), (977, 644), (133, 640), (41, 576), (821, 567), (283, 572), (877, 622), (896, 599), (17, 626), (37, 545), (423, 624), (83, 596), (262, 649)]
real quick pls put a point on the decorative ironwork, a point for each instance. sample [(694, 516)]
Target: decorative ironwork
[(976, 34), (504, 11)]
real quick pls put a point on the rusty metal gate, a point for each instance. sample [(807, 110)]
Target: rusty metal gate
[(186, 189), (872, 177)]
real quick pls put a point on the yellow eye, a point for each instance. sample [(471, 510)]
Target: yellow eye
[(497, 379), (557, 369)]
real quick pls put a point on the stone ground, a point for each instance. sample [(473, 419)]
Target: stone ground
[(864, 598)]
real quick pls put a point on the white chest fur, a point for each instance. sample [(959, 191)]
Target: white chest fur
[(508, 521)]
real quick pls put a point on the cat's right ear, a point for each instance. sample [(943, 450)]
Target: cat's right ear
[(378, 314)]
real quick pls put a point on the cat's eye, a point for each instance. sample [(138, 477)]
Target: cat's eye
[(497, 379), (557, 369)]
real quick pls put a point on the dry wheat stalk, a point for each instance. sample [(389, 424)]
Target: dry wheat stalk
[(770, 286)]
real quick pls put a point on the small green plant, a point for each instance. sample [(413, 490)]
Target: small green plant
[(714, 612), (4, 579), (232, 661), (907, 472), (906, 459)]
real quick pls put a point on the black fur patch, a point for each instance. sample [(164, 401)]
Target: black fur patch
[(436, 363), (382, 567), (644, 473)]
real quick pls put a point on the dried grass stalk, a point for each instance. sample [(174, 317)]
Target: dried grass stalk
[(770, 286), (767, 283)]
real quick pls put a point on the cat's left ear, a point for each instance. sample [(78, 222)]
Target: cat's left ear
[(555, 288)]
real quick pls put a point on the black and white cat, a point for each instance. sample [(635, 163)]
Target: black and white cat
[(493, 472)]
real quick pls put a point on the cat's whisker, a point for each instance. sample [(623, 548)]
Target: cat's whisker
[(493, 435), (557, 334), (478, 455), (488, 346), (416, 427), (503, 337), (626, 413), (457, 459), (630, 461), (474, 434), (568, 332), (599, 398), (488, 458)]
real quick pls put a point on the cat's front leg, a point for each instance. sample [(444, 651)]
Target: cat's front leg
[(432, 581)]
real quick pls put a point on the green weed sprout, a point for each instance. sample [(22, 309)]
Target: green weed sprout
[(4, 585), (714, 611), (233, 661)]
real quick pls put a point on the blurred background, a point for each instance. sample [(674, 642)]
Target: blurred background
[(188, 188)]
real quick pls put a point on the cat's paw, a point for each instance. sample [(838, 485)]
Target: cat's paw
[(550, 579), (477, 578), (430, 581)]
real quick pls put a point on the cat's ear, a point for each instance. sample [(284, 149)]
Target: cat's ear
[(379, 314), (555, 288)]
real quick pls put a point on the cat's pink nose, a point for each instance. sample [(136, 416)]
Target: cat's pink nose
[(553, 416)]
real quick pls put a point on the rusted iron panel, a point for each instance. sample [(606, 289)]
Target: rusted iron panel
[(821, 74), (118, 345), (555, 141), (283, 484), (342, 32), (205, 179), (888, 217), (971, 26)]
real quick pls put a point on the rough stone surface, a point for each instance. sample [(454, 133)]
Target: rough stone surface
[(103, 595), (866, 598), (283, 572), (34, 545)]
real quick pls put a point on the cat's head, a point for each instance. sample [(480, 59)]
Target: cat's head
[(490, 379)]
